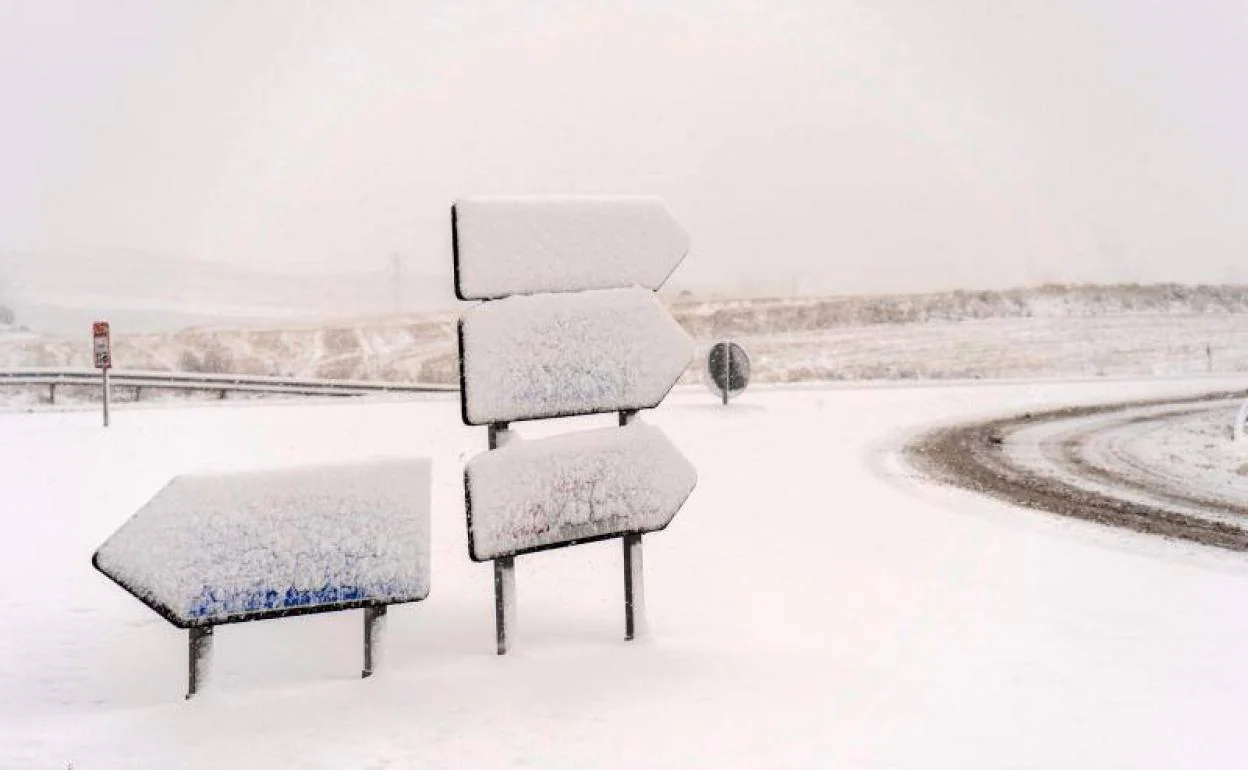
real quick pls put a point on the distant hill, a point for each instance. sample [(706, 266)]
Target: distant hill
[(801, 314), (1048, 331), (62, 293)]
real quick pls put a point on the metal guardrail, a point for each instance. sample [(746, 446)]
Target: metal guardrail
[(222, 383)]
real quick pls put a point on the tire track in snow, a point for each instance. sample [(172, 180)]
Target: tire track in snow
[(1041, 461)]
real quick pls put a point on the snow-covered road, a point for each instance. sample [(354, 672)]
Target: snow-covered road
[(1179, 455), (1166, 467), (814, 605)]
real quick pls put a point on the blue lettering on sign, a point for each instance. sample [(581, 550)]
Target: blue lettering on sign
[(211, 603)]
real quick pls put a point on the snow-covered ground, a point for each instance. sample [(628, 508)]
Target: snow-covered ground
[(1122, 345), (813, 605)]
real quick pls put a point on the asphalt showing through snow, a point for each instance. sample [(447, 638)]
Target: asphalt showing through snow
[(1057, 461)]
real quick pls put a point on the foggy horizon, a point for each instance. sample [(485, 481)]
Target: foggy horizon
[(830, 147)]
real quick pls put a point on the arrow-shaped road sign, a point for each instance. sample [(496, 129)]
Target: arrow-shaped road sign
[(555, 355), (575, 488), (527, 245), (588, 337), (223, 548)]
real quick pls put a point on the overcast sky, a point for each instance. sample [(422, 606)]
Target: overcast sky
[(878, 145)]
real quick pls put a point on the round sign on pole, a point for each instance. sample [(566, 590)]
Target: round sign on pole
[(728, 370)]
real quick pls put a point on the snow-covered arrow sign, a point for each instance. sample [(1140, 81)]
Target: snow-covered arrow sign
[(554, 355), (575, 488), (225, 548), (588, 336), (527, 245)]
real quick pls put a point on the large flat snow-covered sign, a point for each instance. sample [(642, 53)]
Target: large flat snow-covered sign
[(212, 549), (532, 495), (528, 245), (554, 355)]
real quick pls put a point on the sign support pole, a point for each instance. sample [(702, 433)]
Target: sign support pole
[(504, 569), (200, 658), (504, 599), (101, 350), (634, 589), (374, 628), (634, 580), (106, 389)]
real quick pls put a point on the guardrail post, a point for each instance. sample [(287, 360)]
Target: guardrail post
[(52, 393)]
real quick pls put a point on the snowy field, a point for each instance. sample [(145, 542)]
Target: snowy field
[(1044, 332), (813, 605)]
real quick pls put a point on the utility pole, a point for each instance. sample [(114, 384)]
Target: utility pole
[(396, 280)]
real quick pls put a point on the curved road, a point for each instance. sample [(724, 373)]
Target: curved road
[(1162, 467)]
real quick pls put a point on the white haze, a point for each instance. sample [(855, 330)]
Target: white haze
[(807, 146)]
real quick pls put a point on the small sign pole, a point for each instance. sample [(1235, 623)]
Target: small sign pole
[(504, 599), (634, 582), (106, 389), (101, 347), (634, 589), (504, 569), (374, 629), (200, 658)]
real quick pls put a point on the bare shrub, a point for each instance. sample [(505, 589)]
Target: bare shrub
[(216, 359)]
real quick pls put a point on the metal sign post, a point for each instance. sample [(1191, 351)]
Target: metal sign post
[(102, 349), (374, 628), (504, 568), (199, 656), (572, 327), (634, 580)]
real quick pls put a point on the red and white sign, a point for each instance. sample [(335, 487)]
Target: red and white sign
[(101, 345)]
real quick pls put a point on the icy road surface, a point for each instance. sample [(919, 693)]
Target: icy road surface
[(1166, 467), (814, 605), (1171, 455)]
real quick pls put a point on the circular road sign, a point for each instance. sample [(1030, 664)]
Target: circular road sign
[(728, 368)]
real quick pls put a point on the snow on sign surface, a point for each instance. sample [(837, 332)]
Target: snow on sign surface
[(211, 549), (563, 354), (529, 245), (531, 495)]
